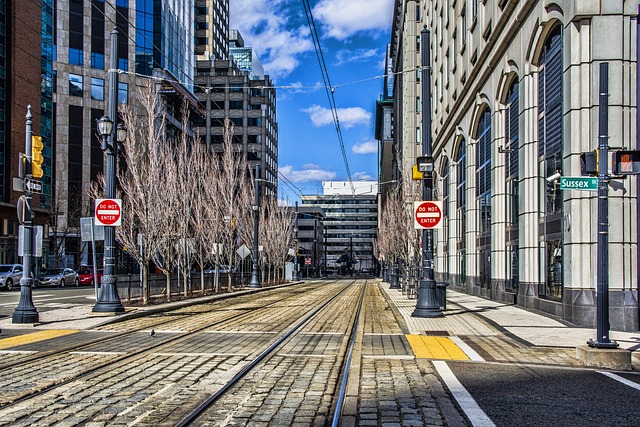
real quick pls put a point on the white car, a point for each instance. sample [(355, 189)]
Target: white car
[(10, 275)]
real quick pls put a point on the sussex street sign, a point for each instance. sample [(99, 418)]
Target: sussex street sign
[(579, 183)]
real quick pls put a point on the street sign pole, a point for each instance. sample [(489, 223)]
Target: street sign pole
[(602, 297), (26, 312), (427, 304)]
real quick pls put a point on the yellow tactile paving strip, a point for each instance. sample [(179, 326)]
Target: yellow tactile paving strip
[(34, 337), (441, 348)]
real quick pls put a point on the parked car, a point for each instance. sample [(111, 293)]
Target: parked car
[(222, 269), (85, 276), (58, 277), (10, 275)]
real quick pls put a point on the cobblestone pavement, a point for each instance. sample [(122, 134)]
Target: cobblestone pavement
[(159, 385)]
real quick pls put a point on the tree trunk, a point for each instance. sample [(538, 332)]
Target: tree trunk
[(168, 284)]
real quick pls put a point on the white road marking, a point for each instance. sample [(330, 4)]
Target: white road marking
[(475, 414), (467, 349), (620, 379)]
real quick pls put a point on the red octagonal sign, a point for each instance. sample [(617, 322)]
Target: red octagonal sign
[(108, 212), (428, 214)]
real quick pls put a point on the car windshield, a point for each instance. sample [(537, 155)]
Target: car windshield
[(5, 268), (53, 271), (85, 271)]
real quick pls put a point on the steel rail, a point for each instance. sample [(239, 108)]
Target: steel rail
[(200, 409), (347, 365)]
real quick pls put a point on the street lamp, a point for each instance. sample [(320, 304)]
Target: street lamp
[(427, 304), (296, 275), (255, 282), (108, 300)]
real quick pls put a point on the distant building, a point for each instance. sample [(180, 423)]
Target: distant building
[(246, 59), (311, 245), (350, 223)]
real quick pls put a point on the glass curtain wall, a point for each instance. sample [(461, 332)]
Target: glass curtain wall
[(483, 198)]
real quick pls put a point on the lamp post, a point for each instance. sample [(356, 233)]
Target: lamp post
[(295, 276), (255, 282), (26, 312), (427, 304), (108, 300)]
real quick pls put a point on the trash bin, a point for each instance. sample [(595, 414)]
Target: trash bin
[(441, 294)]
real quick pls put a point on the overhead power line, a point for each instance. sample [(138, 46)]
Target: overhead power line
[(327, 85)]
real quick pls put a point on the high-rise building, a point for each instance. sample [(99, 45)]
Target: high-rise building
[(246, 59), (211, 29), (250, 104), (514, 105), (350, 223), (155, 38), (25, 80)]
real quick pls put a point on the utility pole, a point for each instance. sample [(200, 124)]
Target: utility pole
[(296, 276), (427, 304), (26, 312)]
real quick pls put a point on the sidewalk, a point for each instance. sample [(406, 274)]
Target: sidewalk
[(475, 316)]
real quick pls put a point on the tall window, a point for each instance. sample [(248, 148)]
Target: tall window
[(445, 215), (483, 197), (97, 34), (483, 171), (76, 31), (550, 151), (512, 188), (461, 208)]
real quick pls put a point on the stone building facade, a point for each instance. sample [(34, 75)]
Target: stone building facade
[(515, 101)]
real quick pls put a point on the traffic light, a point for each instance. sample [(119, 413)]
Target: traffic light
[(626, 162), (589, 163), (36, 156)]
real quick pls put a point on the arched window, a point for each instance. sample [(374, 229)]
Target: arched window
[(550, 151), (461, 209), (483, 197), (512, 187), (445, 215)]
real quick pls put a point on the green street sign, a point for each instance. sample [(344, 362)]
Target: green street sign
[(579, 183)]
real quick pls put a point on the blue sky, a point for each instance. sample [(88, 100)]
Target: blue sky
[(353, 36)]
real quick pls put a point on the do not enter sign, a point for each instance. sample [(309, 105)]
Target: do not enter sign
[(108, 212), (427, 214)]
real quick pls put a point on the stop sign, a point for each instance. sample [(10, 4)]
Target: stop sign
[(428, 214), (108, 212)]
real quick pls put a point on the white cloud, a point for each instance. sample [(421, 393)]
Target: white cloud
[(367, 147), (349, 117), (362, 176), (309, 172), (263, 26), (342, 19), (344, 56)]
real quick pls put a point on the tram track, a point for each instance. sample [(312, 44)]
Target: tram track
[(93, 366), (343, 358)]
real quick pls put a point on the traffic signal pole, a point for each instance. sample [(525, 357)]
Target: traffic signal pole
[(26, 312), (602, 297)]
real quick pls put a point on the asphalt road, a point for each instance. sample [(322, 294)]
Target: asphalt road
[(529, 395), (46, 299)]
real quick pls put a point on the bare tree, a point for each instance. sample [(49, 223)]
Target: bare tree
[(233, 198), (279, 223), (141, 181)]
